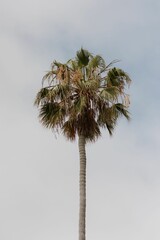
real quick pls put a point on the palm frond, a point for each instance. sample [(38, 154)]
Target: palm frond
[(123, 76), (73, 65), (121, 110), (110, 128), (69, 129), (79, 105), (83, 57), (88, 126), (49, 76), (97, 62), (57, 64), (108, 66), (52, 115), (106, 119), (41, 95), (117, 77), (77, 75), (110, 93)]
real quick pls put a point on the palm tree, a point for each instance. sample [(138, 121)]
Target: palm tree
[(79, 99)]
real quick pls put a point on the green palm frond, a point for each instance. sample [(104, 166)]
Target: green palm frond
[(106, 119), (123, 75), (83, 57), (52, 115), (61, 92), (119, 110), (57, 64), (93, 85), (117, 77), (79, 104), (122, 110), (97, 62), (110, 93), (110, 127)]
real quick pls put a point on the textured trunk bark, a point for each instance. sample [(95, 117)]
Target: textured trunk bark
[(82, 188)]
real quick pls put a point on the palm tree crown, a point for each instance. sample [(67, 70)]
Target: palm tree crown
[(83, 96)]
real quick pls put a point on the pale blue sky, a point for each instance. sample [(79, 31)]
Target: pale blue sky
[(39, 173)]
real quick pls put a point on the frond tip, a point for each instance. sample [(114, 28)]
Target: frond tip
[(122, 110)]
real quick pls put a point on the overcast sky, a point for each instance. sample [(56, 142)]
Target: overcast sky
[(39, 172)]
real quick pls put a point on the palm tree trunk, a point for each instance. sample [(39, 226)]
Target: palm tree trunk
[(82, 188)]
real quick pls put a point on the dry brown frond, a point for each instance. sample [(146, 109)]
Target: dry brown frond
[(77, 75)]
